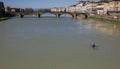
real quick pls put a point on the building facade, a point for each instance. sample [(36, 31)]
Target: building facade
[(7, 9), (102, 8), (71, 8), (2, 9), (106, 0), (56, 9), (114, 6)]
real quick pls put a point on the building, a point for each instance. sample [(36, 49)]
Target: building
[(71, 8), (91, 7), (114, 6), (109, 7), (2, 9), (15, 10), (85, 6), (28, 11), (79, 7), (106, 0), (56, 9), (102, 8), (7, 9)]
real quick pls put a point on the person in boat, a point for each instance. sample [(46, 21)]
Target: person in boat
[(93, 45)]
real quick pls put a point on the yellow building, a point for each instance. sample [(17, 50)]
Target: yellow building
[(112, 7), (102, 8)]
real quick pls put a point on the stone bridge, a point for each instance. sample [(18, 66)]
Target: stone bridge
[(58, 14)]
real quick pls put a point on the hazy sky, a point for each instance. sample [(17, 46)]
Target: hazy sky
[(39, 3)]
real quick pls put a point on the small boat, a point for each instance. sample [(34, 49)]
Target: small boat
[(93, 45)]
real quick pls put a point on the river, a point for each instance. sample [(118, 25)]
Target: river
[(58, 43)]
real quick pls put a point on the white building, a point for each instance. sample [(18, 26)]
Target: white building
[(79, 7), (90, 7), (56, 9), (71, 8), (102, 8)]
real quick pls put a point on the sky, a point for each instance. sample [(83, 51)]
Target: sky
[(39, 3)]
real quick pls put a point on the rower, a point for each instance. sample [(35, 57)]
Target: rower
[(93, 45)]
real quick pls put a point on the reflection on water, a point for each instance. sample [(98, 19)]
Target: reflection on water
[(58, 43), (107, 28)]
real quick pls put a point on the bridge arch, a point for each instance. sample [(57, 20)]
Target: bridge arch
[(57, 14), (68, 13), (81, 15), (46, 13)]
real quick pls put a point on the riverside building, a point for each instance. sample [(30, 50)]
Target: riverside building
[(2, 9)]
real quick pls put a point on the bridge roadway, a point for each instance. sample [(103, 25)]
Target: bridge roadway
[(58, 14)]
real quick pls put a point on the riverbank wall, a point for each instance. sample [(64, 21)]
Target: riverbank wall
[(4, 18), (110, 19)]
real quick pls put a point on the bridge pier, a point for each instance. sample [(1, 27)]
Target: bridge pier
[(58, 15), (21, 15), (38, 15), (75, 15)]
